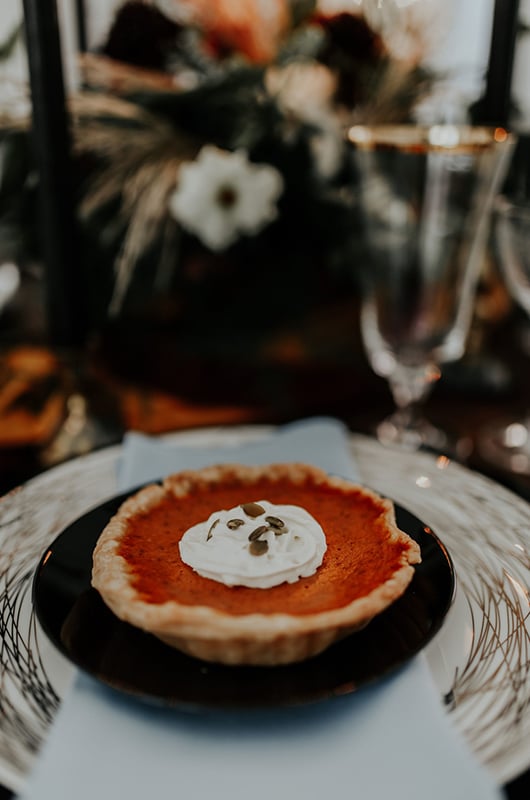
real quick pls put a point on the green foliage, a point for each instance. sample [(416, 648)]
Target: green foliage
[(18, 237), (226, 110)]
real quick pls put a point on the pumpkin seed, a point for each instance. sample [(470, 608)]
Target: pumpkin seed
[(210, 532), (234, 524), (258, 547), (252, 509), (257, 532), (277, 524)]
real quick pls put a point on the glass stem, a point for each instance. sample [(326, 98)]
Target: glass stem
[(410, 387)]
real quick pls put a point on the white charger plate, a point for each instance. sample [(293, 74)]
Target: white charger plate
[(480, 659)]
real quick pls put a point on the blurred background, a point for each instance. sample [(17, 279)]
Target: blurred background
[(128, 301)]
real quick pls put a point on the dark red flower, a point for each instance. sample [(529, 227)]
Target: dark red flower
[(142, 36), (350, 46)]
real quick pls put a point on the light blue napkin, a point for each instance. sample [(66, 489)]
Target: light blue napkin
[(320, 441), (392, 739)]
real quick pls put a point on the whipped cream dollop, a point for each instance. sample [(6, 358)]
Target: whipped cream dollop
[(257, 544)]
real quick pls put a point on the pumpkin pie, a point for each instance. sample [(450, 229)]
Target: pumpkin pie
[(253, 565)]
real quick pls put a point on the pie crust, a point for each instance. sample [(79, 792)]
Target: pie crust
[(139, 574)]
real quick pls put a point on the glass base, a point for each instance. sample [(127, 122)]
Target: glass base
[(421, 435), (507, 445)]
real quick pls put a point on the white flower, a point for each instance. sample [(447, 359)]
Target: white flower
[(222, 194)]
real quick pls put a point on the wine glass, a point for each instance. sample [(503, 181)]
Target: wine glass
[(507, 443), (425, 195)]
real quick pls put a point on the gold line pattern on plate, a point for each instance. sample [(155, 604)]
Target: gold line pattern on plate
[(487, 532), (33, 676)]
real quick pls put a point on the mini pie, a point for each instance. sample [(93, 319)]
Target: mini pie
[(139, 573)]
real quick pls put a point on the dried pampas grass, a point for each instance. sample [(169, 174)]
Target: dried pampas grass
[(137, 174)]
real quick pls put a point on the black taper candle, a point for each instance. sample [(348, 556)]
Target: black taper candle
[(495, 106), (81, 25), (63, 290)]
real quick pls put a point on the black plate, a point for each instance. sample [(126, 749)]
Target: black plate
[(77, 621)]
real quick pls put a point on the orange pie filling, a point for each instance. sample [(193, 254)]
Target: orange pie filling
[(361, 561)]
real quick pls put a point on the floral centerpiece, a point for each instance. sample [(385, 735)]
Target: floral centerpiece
[(213, 185)]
